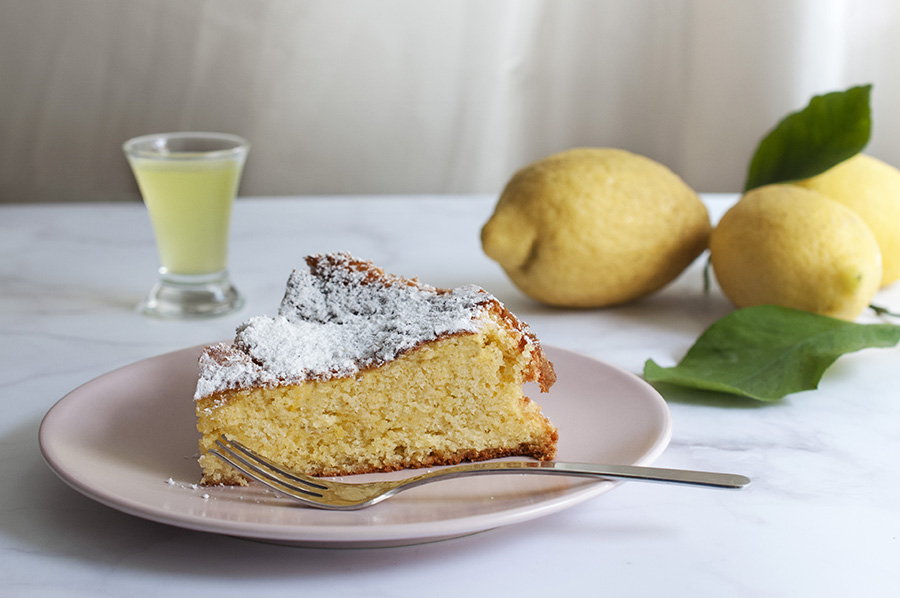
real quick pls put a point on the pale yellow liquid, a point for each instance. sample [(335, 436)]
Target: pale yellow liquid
[(190, 208)]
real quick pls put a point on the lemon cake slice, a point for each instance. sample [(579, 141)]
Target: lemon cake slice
[(362, 371)]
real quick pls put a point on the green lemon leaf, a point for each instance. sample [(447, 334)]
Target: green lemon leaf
[(833, 127), (767, 352)]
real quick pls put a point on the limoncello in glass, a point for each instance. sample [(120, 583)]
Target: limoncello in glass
[(189, 182)]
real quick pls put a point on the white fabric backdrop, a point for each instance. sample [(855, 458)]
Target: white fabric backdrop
[(422, 96)]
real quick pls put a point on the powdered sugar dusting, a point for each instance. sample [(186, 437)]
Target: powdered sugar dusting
[(338, 317), (222, 367)]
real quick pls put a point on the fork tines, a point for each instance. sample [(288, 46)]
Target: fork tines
[(262, 470)]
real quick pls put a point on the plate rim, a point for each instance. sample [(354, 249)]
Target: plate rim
[(330, 535)]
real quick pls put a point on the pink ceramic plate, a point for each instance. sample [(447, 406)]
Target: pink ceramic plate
[(127, 439)]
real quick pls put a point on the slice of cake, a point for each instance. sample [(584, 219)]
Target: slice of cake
[(363, 371)]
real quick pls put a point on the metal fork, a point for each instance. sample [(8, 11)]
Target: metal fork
[(341, 496)]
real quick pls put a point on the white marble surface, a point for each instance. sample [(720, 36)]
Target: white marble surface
[(821, 518)]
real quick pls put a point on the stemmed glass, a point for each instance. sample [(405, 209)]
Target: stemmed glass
[(189, 182)]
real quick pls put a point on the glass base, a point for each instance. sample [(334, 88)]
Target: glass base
[(186, 297)]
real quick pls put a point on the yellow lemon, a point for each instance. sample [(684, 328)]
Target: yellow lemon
[(591, 227), (870, 188), (786, 245)]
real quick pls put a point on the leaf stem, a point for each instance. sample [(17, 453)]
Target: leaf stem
[(883, 311), (706, 285)]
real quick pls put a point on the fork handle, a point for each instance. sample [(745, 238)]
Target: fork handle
[(592, 470), (650, 474)]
